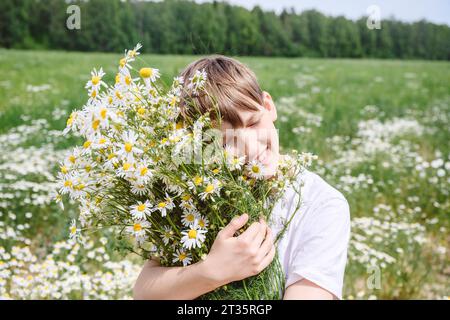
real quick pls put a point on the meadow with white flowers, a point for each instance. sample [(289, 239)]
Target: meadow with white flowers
[(380, 129)]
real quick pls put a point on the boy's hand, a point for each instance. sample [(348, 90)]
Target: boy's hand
[(235, 258)]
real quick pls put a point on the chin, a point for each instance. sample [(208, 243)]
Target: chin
[(271, 165)]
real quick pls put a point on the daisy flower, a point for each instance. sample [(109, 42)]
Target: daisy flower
[(101, 142), (58, 199), (138, 229), (182, 256), (193, 237), (126, 79), (236, 163), (74, 157), (133, 53), (149, 75), (96, 80), (195, 182), (203, 222), (104, 114), (188, 218), (78, 188), (91, 127), (141, 210), (143, 173), (255, 169), (112, 161), (187, 205), (126, 170), (164, 206), (74, 232), (128, 148), (212, 188), (197, 81), (66, 182), (139, 189), (167, 235), (119, 97)]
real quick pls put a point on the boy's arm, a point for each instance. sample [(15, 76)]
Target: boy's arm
[(319, 252), (230, 259), (306, 290), (156, 282)]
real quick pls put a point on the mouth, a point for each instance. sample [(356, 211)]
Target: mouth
[(264, 156)]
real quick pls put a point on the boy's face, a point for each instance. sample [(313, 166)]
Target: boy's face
[(257, 138)]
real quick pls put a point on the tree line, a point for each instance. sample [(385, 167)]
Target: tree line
[(186, 27)]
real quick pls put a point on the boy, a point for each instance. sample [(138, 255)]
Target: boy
[(313, 250)]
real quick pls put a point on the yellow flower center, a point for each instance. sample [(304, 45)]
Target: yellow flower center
[(198, 180), (190, 217), (103, 113), (95, 80), (64, 169), (255, 169), (117, 79), (101, 140), (181, 256), (128, 147), (86, 144), (80, 186), (201, 223), (94, 93), (141, 207), (192, 234), (162, 204), (70, 120), (122, 62), (141, 111), (67, 183), (127, 80), (87, 168), (126, 166), (95, 124), (186, 197), (209, 188), (137, 227), (72, 158), (73, 230), (144, 171), (146, 72), (179, 125)]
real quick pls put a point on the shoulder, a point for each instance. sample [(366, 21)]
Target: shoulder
[(320, 200), (317, 205)]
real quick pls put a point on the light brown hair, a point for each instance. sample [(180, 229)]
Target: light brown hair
[(230, 84)]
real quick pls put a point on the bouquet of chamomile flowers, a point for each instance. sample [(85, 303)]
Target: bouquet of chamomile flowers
[(158, 178)]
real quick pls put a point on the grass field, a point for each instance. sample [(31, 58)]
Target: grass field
[(380, 128)]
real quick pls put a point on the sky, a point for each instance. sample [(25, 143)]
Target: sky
[(437, 11)]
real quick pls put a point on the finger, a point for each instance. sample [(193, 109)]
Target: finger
[(267, 259), (235, 224), (250, 233), (259, 237), (266, 246)]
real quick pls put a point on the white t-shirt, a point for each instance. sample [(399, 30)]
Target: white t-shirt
[(314, 246)]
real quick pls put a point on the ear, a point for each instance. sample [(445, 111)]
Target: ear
[(269, 105)]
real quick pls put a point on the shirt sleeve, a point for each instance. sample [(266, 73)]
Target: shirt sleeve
[(319, 248)]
